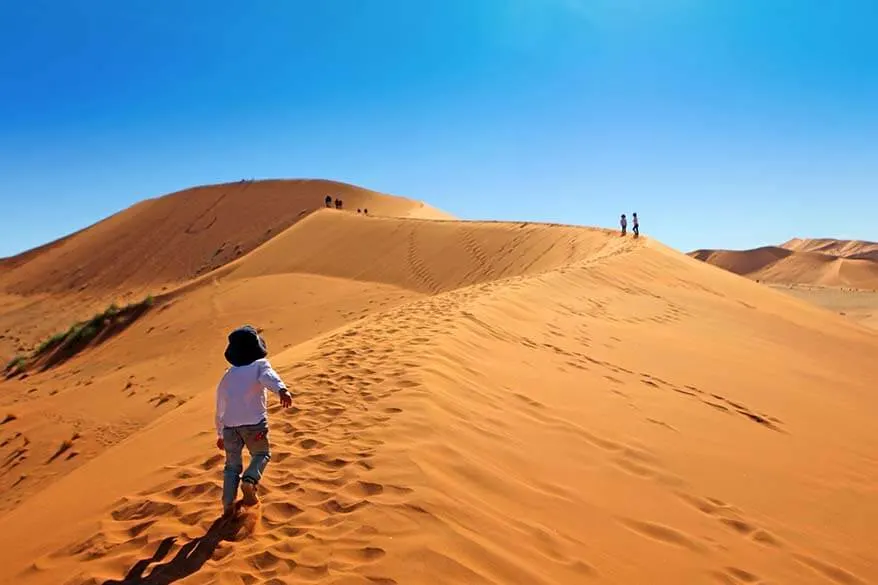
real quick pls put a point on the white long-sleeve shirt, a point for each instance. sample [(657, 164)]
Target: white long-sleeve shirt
[(240, 396)]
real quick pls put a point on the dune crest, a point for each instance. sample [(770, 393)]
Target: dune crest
[(475, 402)]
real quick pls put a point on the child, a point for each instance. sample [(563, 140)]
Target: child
[(635, 225), (624, 223), (241, 415)]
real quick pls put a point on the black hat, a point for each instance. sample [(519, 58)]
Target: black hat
[(245, 346)]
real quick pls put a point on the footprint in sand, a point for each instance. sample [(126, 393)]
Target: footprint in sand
[(735, 576), (830, 571), (310, 444), (365, 488), (663, 534)]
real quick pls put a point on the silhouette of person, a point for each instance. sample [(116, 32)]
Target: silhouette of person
[(338, 203), (635, 225), (359, 210), (624, 223), (366, 211), (328, 201)]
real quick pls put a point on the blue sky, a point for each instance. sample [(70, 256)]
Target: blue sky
[(723, 123)]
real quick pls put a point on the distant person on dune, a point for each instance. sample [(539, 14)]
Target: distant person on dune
[(328, 201), (241, 415), (624, 223), (635, 225), (366, 212), (338, 203)]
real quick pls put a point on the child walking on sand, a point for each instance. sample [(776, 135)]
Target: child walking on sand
[(242, 416)]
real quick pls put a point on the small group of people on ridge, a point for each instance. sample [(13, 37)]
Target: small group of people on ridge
[(635, 225), (339, 204)]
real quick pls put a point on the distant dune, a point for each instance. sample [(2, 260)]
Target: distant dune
[(838, 275), (475, 402), (855, 249), (815, 262), (744, 262)]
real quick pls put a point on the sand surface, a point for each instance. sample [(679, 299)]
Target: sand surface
[(858, 305), (475, 403)]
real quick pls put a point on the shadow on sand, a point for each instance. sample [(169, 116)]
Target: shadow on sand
[(191, 556)]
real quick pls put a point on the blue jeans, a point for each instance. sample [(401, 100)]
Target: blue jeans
[(255, 438)]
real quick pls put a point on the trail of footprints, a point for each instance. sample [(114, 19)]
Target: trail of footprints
[(316, 481), (584, 362), (318, 477), (419, 268), (715, 401), (640, 462)]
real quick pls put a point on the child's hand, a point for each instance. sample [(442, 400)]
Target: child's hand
[(286, 399), (220, 444)]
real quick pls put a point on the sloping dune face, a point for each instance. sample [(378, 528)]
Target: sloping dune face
[(484, 404), (423, 256)]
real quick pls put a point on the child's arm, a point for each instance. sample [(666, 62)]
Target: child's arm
[(271, 380), (220, 409)]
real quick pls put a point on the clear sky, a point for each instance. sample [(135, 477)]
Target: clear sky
[(723, 123)]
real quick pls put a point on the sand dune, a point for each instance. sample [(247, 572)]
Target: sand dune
[(858, 305), (424, 256), (174, 238), (855, 249), (744, 262), (162, 243), (475, 403), (797, 264)]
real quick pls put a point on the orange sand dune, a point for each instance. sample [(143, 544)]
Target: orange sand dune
[(856, 249), (179, 236), (795, 264), (744, 262), (475, 403), (309, 279), (420, 255), (159, 244)]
